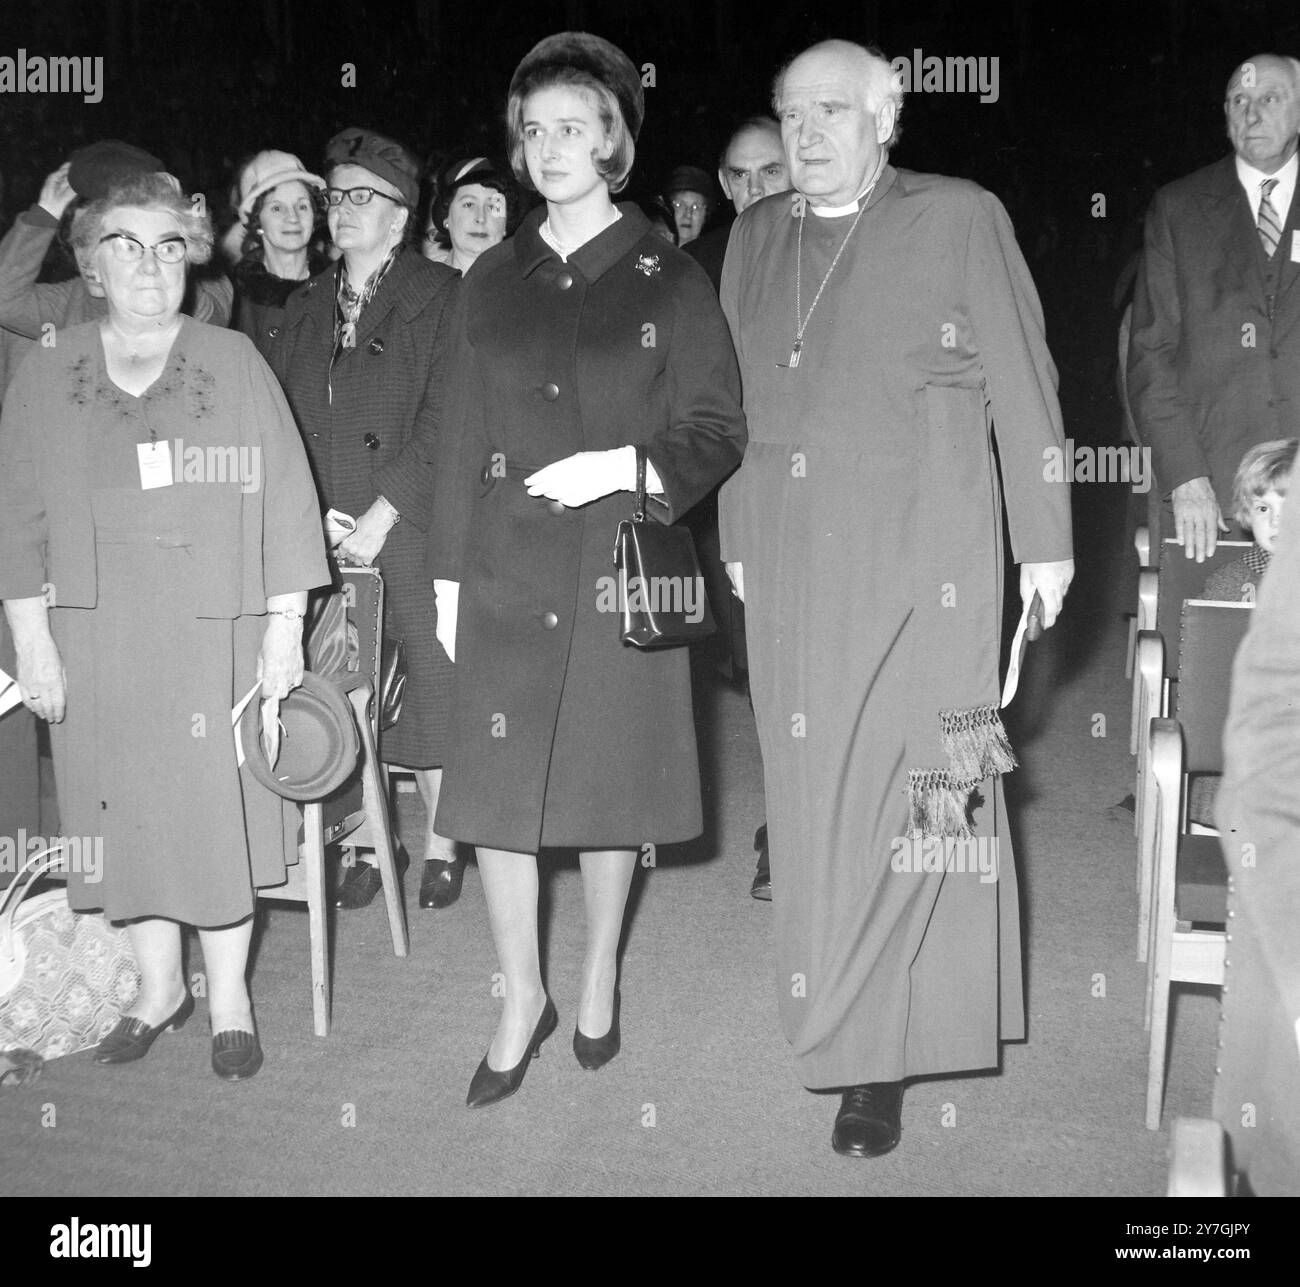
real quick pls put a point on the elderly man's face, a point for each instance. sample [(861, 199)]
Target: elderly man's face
[(754, 167), (832, 138), (1263, 111)]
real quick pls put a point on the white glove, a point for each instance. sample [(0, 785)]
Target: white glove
[(588, 475), (446, 594)]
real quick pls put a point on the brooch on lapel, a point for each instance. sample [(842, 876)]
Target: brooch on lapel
[(648, 264)]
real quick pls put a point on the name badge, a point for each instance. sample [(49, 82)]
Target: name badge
[(155, 464), (1295, 246)]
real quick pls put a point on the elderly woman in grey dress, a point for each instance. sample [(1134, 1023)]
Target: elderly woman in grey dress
[(158, 537)]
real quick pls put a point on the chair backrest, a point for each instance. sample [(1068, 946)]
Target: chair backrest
[(1181, 579), (1209, 638)]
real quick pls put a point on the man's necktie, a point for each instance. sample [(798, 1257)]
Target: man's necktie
[(1270, 230)]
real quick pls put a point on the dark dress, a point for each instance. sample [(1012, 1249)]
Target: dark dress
[(561, 734), (368, 420), (145, 758)]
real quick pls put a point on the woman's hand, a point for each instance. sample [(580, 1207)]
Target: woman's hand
[(56, 192), (585, 476), (373, 526), (41, 678)]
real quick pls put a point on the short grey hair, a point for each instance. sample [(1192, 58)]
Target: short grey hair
[(156, 191), (891, 77)]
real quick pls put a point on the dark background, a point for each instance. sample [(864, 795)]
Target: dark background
[(1108, 97)]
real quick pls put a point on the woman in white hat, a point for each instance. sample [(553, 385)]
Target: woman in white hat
[(280, 216)]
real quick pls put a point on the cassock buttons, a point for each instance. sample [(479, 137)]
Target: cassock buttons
[(550, 392), (376, 346), (371, 441), (556, 507), (550, 620), (564, 281)]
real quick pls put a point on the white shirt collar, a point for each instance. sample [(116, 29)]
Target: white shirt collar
[(1250, 179), (834, 212)]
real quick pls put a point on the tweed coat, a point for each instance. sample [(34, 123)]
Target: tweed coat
[(561, 734), (1214, 353), (369, 421)]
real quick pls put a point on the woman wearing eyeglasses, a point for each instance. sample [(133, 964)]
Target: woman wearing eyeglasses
[(158, 537), (361, 357)]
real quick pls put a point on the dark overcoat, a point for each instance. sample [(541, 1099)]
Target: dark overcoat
[(1214, 351), (561, 735), (369, 420)]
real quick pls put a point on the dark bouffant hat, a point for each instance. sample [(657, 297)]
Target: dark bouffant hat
[(380, 155), (95, 168), (581, 51)]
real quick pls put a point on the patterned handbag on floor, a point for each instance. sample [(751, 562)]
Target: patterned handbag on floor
[(65, 976)]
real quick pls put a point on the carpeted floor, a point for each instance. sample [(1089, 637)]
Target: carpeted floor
[(702, 1100)]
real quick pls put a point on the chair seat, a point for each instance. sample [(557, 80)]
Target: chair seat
[(1201, 885)]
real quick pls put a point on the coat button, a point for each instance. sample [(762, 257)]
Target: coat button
[(371, 441), (315, 435), (311, 285), (550, 620), (556, 507), (564, 281), (274, 332), (550, 392), (376, 346)]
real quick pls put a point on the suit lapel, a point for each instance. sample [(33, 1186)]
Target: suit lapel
[(1230, 223)]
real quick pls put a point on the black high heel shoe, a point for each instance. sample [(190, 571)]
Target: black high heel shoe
[(596, 1052), (489, 1086), (131, 1038)]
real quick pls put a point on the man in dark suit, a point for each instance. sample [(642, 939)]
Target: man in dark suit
[(1214, 355)]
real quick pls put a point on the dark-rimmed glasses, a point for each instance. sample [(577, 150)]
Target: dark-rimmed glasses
[(171, 250), (358, 196)]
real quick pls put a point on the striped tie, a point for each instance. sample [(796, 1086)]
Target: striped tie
[(1270, 231)]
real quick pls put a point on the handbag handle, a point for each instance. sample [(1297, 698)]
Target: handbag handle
[(27, 873), (638, 514)]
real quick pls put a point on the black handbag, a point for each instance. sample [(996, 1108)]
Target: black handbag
[(392, 681), (661, 597)]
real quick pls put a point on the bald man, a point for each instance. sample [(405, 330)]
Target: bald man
[(752, 166), (888, 334), (1214, 353)]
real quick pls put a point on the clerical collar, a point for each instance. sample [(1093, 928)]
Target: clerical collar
[(835, 212)]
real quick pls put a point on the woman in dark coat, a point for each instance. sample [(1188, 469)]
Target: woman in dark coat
[(360, 356), (280, 217), (585, 334)]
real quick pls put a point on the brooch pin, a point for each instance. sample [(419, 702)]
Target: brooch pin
[(648, 264)]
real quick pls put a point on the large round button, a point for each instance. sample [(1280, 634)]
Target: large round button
[(564, 281), (550, 392), (556, 507), (376, 346), (371, 441), (274, 332), (550, 620)]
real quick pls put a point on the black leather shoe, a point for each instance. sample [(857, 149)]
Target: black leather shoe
[(762, 886), (596, 1052), (362, 881), (489, 1086), (131, 1038), (236, 1054), (440, 884), (869, 1122)]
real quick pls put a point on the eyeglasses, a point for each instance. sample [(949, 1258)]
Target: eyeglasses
[(171, 250), (358, 196), (694, 207)]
